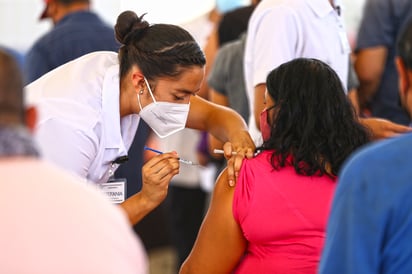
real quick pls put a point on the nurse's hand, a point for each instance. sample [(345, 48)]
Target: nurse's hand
[(156, 175), (239, 147)]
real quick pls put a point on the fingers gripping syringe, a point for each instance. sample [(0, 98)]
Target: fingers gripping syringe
[(183, 161)]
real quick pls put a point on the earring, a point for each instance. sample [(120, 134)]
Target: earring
[(141, 92)]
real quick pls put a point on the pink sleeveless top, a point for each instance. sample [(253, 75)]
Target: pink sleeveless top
[(283, 216)]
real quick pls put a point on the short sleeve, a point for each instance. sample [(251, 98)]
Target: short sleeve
[(377, 26), (36, 64), (244, 191), (268, 53)]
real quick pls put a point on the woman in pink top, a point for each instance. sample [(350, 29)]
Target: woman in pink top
[(274, 220)]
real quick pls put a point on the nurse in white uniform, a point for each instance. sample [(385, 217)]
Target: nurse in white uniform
[(89, 109)]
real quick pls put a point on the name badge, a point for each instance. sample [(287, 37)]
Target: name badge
[(115, 190)]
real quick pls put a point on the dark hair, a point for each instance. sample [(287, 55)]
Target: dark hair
[(11, 89), (404, 45), (314, 122), (158, 50)]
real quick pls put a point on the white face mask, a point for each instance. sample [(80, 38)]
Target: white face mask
[(163, 117)]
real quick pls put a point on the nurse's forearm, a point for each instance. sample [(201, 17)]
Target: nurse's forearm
[(226, 124), (137, 207)]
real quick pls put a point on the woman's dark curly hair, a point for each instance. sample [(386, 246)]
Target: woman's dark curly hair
[(158, 50), (315, 125)]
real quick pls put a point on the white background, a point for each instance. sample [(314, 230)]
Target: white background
[(20, 27)]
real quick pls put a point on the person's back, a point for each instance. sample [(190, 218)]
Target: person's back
[(370, 226), (280, 31), (54, 223), (306, 29), (370, 223), (79, 31), (283, 216)]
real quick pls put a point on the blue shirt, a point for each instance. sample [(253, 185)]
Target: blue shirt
[(76, 34), (370, 226), (382, 22)]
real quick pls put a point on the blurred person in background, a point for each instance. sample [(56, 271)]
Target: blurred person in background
[(17, 55), (280, 31), (370, 224), (76, 31), (382, 21)]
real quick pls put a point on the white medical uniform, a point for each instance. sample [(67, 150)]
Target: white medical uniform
[(79, 126), (282, 30)]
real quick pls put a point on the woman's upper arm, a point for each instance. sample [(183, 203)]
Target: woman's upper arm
[(220, 243)]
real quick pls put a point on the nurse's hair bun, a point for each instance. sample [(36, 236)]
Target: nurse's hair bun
[(130, 27)]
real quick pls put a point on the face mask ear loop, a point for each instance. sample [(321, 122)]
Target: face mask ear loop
[(150, 90), (138, 100)]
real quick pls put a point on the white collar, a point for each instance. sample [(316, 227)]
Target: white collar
[(111, 110), (322, 7)]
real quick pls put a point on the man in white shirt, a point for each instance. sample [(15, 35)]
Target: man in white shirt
[(280, 31)]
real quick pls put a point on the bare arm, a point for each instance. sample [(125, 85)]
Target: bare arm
[(220, 243), (353, 98), (382, 128), (227, 126), (369, 66)]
